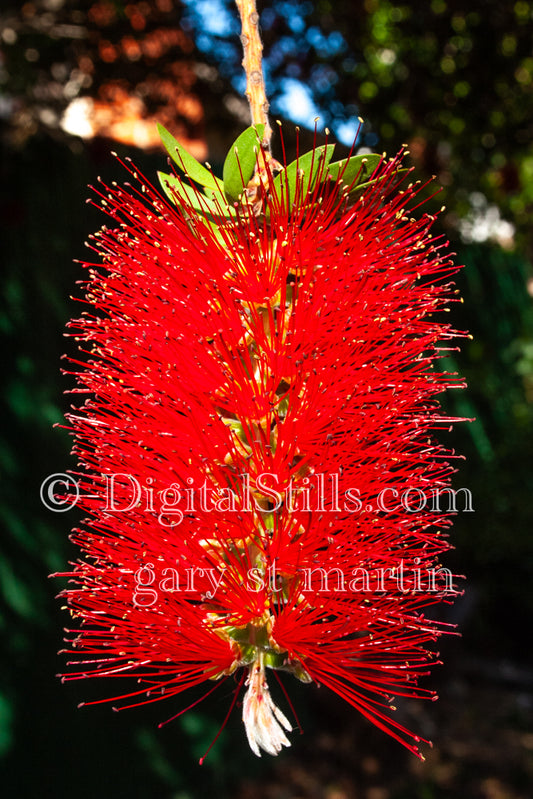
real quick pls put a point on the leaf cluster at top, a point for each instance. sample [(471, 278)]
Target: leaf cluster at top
[(218, 200)]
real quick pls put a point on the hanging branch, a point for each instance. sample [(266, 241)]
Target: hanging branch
[(252, 63)]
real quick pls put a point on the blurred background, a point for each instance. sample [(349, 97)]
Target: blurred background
[(454, 81)]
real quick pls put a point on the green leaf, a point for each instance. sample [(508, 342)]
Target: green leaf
[(176, 189), (358, 166), (240, 161), (186, 162), (302, 173), (361, 186)]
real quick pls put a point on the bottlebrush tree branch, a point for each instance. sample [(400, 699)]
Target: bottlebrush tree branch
[(253, 66)]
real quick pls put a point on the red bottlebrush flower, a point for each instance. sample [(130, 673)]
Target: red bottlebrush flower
[(262, 398)]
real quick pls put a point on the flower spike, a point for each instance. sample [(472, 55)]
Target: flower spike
[(257, 452)]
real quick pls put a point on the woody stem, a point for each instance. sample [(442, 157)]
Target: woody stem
[(253, 66)]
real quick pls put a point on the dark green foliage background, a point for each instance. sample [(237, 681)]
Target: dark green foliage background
[(47, 746)]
